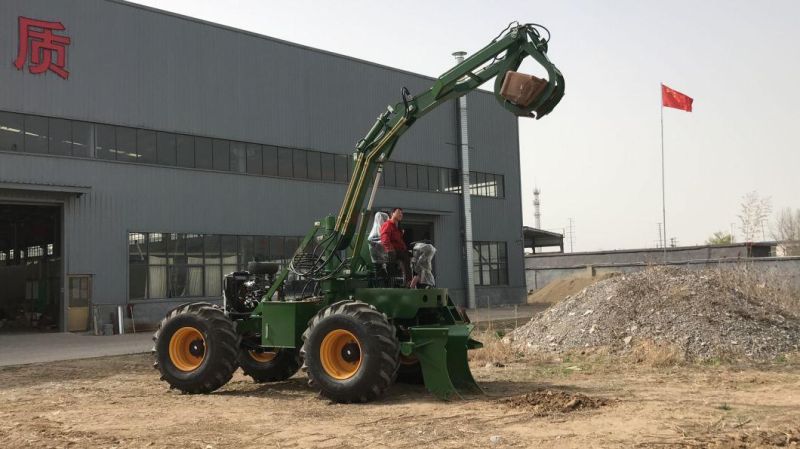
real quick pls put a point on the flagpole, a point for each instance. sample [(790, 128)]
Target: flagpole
[(663, 196)]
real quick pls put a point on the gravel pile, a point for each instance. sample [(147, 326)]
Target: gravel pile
[(705, 313)]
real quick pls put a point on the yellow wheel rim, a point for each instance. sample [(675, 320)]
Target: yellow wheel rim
[(340, 354), (187, 349), (262, 357)]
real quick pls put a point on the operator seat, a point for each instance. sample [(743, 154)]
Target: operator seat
[(376, 250)]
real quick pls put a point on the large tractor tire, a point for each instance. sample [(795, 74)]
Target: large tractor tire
[(350, 352), (195, 348), (275, 366)]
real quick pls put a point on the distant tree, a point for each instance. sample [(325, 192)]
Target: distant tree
[(753, 216), (787, 231), (720, 238)]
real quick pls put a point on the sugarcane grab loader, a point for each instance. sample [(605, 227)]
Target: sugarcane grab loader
[(354, 333)]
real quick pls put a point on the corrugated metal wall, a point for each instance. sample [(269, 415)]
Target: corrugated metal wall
[(137, 67)]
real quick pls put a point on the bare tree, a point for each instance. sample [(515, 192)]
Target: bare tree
[(787, 231), (753, 216)]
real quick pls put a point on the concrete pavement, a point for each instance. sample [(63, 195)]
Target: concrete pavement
[(20, 349)]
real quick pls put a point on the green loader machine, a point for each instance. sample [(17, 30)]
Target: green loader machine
[(357, 329)]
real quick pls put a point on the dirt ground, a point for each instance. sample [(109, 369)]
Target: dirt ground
[(559, 289), (580, 402)]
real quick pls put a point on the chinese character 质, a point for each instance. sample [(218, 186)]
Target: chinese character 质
[(47, 51)]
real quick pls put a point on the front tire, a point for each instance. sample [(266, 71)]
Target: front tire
[(195, 348), (273, 366), (350, 352)]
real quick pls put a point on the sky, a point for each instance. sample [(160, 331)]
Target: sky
[(597, 157)]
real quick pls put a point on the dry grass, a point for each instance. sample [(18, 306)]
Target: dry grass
[(494, 349), (765, 286), (656, 354)]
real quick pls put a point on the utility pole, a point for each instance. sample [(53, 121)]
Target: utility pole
[(660, 237), (571, 233), (465, 193)]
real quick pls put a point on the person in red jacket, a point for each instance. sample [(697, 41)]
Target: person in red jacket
[(395, 246)]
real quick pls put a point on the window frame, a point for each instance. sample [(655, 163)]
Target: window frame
[(490, 263)]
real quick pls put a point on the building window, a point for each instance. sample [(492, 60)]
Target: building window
[(60, 137), (126, 144), (47, 135), (270, 165), (82, 139), (167, 151), (300, 164), (451, 180), (490, 263), (203, 157), (35, 251), (314, 167), (11, 131), (221, 155), (239, 157), (341, 168), (285, 162), (434, 179), (185, 151), (146, 146), (36, 134), (486, 184), (105, 140), (400, 175), (175, 265), (254, 159), (327, 167)]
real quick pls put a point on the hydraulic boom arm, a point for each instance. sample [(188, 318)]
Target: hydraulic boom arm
[(496, 60)]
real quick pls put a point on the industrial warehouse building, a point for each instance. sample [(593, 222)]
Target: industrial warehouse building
[(144, 154)]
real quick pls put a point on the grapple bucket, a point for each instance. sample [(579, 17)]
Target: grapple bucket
[(442, 353), (527, 95)]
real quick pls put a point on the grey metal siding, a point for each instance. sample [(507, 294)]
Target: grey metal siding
[(134, 66), (138, 67)]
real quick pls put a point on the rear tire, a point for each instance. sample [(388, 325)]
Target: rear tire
[(195, 348), (350, 352), (410, 371), (274, 366)]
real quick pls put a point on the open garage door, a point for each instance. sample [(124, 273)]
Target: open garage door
[(30, 268)]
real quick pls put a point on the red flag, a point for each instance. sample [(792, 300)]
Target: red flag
[(674, 99)]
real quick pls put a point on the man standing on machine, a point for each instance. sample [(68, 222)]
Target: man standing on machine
[(395, 246)]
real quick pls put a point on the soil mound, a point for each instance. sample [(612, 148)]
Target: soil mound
[(706, 314), (549, 402), (559, 289)]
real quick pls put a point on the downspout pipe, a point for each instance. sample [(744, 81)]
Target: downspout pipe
[(469, 280)]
